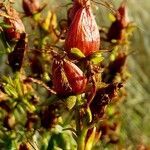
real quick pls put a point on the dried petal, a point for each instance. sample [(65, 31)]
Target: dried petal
[(16, 26), (31, 6)]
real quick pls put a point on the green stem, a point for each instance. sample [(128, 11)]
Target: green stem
[(81, 139), (77, 120), (81, 133)]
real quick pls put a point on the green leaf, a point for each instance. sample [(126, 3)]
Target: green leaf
[(4, 25), (130, 28), (13, 86), (111, 17), (30, 107), (61, 141), (80, 99), (89, 115), (112, 57), (37, 16), (11, 91), (7, 47), (96, 58), (77, 52), (111, 110), (91, 139), (70, 102)]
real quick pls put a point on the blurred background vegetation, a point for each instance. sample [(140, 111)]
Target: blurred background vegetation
[(136, 107)]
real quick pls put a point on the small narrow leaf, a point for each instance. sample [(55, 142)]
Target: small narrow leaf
[(7, 47), (76, 52), (91, 139), (89, 115), (111, 17), (4, 25), (70, 102), (96, 58)]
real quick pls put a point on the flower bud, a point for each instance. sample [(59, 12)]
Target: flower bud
[(83, 32), (16, 28), (67, 78), (31, 6)]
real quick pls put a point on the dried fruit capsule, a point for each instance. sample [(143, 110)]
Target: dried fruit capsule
[(114, 68), (31, 6), (83, 32), (72, 11), (103, 97), (15, 58), (67, 78), (16, 28), (117, 27), (77, 4)]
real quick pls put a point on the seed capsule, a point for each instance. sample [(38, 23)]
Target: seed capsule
[(67, 78), (15, 58), (77, 4), (83, 32), (116, 30), (103, 97)]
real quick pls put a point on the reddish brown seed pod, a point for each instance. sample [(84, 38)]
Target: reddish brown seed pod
[(83, 32), (15, 58), (122, 14), (114, 68), (77, 4), (71, 12), (30, 7), (67, 78), (121, 22), (16, 28), (103, 97)]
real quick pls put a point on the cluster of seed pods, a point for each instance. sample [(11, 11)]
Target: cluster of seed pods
[(83, 33)]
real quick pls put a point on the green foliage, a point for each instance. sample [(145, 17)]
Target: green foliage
[(97, 58), (76, 52)]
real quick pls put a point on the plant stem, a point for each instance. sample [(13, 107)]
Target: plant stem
[(77, 120), (81, 139), (81, 133)]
